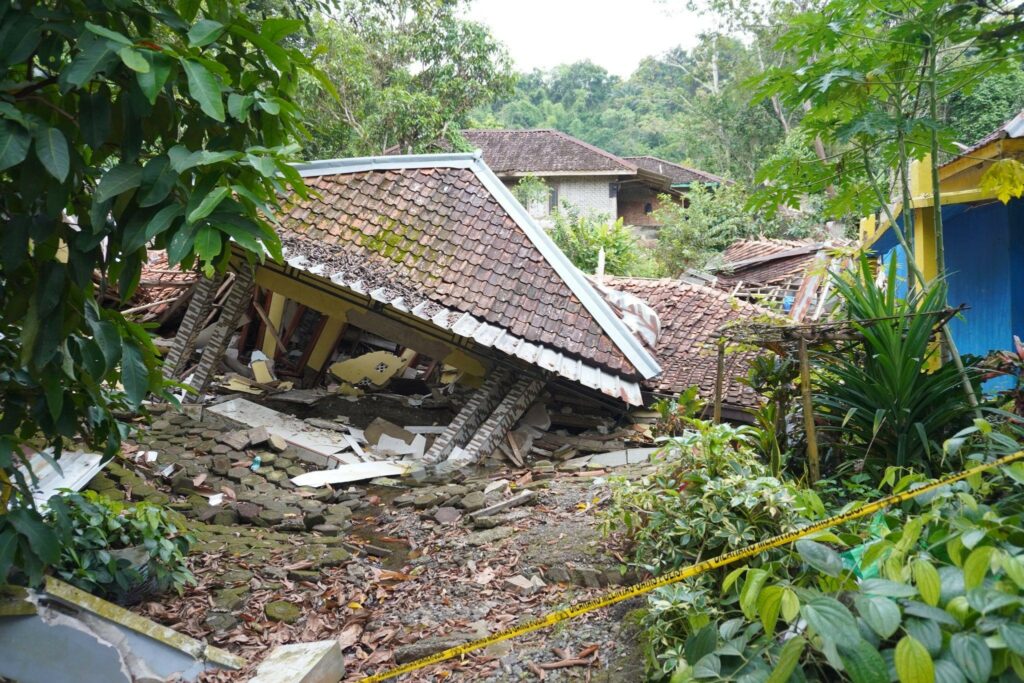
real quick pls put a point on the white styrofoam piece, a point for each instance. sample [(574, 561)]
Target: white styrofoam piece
[(352, 472)]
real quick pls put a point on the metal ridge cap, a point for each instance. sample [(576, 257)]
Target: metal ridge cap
[(613, 326), (383, 163)]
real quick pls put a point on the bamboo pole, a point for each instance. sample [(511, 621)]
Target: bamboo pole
[(814, 465), (719, 381)]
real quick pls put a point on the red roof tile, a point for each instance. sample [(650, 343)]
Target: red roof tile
[(676, 173), (691, 316), (543, 152), (437, 234), (766, 261)]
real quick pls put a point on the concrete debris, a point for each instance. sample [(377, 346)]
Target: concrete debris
[(74, 470), (524, 586), (521, 499), (319, 662), (107, 643), (375, 368), (349, 473)]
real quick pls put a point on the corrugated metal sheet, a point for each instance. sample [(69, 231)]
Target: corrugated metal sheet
[(487, 335)]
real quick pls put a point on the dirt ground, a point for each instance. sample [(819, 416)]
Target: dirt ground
[(394, 570)]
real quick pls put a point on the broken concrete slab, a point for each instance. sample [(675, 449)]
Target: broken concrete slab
[(521, 499), (380, 427), (105, 642), (628, 456), (377, 368), (351, 472), (317, 442), (319, 662)]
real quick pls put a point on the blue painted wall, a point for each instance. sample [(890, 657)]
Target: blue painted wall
[(985, 270), (978, 264)]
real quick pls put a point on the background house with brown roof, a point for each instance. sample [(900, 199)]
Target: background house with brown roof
[(588, 178)]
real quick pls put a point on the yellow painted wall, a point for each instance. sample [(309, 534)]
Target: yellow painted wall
[(337, 310)]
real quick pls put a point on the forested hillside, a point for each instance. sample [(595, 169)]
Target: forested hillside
[(698, 106)]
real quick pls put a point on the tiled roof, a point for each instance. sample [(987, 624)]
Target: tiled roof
[(691, 316), (766, 261), (543, 152), (158, 280), (437, 235), (676, 173)]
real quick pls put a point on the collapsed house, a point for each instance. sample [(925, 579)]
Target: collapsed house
[(432, 256), (791, 275), (691, 320)]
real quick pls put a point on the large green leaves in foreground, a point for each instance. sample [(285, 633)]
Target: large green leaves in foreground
[(888, 401), (122, 123)]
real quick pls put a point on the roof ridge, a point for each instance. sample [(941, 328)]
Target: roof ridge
[(565, 136), (691, 169)]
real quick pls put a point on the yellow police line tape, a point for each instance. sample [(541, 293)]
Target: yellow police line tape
[(620, 594)]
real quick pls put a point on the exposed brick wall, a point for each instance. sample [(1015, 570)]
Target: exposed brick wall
[(511, 408), (472, 415)]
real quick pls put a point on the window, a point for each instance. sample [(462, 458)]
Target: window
[(613, 189), (553, 199), (648, 208)]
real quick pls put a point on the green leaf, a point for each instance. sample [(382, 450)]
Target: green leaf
[(972, 656), (820, 556), (1014, 568), (87, 63), (204, 32), (864, 663), (208, 204), (913, 663), (159, 177), (134, 374), (947, 671), (1013, 636), (701, 644), (205, 89), (832, 621), (163, 219), (977, 565), (41, 538), (109, 341), (768, 605), (926, 578), (208, 243), (151, 82), (105, 32), (789, 657), (118, 180), (879, 612), (887, 588), (14, 144), (239, 105), (52, 150), (790, 605), (751, 589), (134, 60)]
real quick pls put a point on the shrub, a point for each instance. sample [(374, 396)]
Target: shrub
[(947, 605), (581, 236), (117, 551), (885, 402), (711, 494)]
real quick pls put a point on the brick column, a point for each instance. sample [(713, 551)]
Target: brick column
[(191, 324), (511, 408), (237, 301), (472, 415)]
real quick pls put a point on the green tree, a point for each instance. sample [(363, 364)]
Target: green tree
[(872, 87), (408, 72), (693, 237), (124, 124)]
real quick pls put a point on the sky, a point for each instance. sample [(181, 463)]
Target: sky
[(616, 35)]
